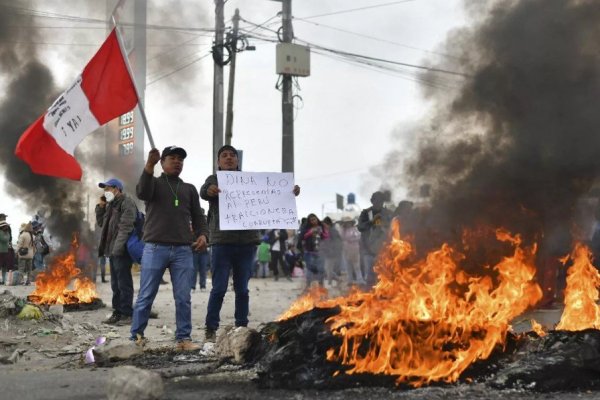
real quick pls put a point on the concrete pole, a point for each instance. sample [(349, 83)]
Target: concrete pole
[(287, 103), (218, 82), (231, 86)]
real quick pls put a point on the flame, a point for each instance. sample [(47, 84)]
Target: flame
[(581, 311), (315, 297), (307, 302), (428, 321), (537, 328), (52, 286)]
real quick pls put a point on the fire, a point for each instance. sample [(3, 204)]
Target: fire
[(428, 321), (581, 311), (307, 302), (537, 328), (315, 297), (52, 286)]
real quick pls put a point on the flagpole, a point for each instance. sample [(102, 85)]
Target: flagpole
[(137, 93)]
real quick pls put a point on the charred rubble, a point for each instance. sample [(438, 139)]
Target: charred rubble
[(294, 358)]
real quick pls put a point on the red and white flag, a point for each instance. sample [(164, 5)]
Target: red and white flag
[(101, 93)]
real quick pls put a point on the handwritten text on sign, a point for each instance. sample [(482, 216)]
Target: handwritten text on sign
[(256, 200)]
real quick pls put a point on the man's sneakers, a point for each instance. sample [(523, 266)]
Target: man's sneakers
[(186, 345), (210, 335), (113, 319), (118, 319)]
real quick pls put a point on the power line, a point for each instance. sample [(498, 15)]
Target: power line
[(349, 54), (177, 62), (178, 46), (358, 9), (77, 44), (403, 64), (51, 15), (375, 38), (262, 24), (177, 70), (386, 70), (49, 44)]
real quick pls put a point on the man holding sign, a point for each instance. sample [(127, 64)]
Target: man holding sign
[(240, 205)]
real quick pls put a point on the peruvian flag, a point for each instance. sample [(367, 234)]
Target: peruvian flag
[(101, 93)]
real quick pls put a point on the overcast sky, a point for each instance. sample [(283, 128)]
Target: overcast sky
[(350, 116)]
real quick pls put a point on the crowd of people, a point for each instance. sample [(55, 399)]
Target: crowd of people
[(180, 237), (21, 261), (339, 252)]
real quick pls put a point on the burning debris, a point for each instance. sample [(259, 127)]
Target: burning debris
[(428, 321), (53, 285), (514, 144)]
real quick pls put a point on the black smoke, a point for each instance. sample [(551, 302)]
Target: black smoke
[(28, 90), (518, 143)]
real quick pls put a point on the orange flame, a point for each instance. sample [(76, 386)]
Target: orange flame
[(581, 311), (429, 321), (307, 302), (52, 286), (537, 328)]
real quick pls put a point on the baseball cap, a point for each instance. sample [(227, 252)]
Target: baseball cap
[(111, 182), (173, 150)]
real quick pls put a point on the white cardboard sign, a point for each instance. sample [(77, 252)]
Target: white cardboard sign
[(256, 200)]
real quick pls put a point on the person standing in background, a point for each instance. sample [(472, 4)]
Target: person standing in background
[(373, 225), (26, 252), (264, 257), (277, 240), (116, 218), (4, 247)]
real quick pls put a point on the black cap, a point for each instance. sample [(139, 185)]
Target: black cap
[(173, 150), (227, 147)]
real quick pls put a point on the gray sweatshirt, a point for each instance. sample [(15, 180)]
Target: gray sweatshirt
[(167, 223)]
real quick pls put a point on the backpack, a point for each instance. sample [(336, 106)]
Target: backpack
[(41, 246), (135, 243)]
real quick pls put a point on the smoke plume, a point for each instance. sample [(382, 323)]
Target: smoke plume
[(516, 145), (29, 90)]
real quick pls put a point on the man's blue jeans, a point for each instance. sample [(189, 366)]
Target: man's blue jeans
[(200, 268), (155, 259), (240, 259)]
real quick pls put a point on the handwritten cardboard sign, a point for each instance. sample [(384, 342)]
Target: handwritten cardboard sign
[(256, 200)]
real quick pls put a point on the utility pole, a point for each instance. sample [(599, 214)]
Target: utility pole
[(218, 81), (231, 86), (287, 101)]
